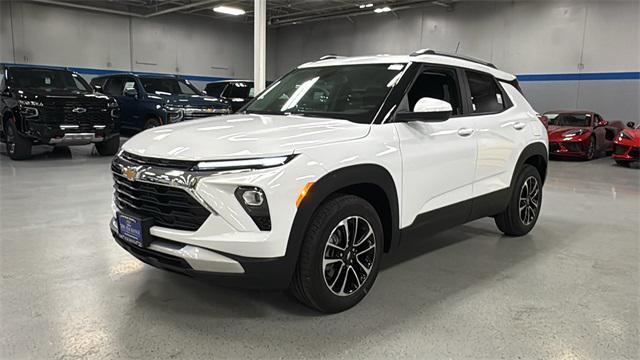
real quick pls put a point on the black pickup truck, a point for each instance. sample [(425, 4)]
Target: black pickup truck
[(54, 106)]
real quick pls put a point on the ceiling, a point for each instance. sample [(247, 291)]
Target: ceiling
[(279, 12)]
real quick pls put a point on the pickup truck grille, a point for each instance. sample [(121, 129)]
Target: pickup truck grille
[(169, 207), (65, 115)]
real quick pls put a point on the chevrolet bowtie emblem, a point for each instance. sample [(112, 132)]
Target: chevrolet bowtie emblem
[(130, 173)]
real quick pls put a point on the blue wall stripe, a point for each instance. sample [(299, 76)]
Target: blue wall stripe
[(581, 76), (523, 77)]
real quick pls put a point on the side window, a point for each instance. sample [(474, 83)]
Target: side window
[(114, 86), (486, 95), (596, 120), (129, 83), (215, 89), (98, 82), (437, 83)]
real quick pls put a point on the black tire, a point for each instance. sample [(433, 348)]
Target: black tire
[(623, 163), (151, 123), (18, 147), (513, 221), (591, 149), (326, 233), (108, 147)]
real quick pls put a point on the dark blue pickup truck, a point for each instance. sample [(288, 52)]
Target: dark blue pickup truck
[(150, 100)]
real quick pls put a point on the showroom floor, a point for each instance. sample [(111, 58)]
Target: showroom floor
[(568, 290)]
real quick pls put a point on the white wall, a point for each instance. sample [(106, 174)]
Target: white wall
[(522, 37), (50, 35)]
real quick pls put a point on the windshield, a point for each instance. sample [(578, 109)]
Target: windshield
[(168, 86), (353, 92), (49, 80), (240, 89), (580, 120)]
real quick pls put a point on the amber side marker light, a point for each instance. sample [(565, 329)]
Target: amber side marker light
[(303, 193)]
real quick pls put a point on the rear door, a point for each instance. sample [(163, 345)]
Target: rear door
[(502, 131)]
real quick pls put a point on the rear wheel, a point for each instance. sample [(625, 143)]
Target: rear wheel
[(340, 255), (108, 147), (18, 147), (524, 206)]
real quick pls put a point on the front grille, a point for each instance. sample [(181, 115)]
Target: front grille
[(619, 150), (168, 206), (573, 146), (156, 162), (65, 115)]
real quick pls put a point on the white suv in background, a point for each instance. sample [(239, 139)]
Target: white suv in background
[(334, 164)]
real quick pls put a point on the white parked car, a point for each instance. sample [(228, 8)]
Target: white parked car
[(333, 165)]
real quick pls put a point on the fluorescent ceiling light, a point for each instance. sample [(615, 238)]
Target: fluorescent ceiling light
[(362, 6), (229, 10), (382, 10)]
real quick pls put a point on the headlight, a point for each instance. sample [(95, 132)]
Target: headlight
[(572, 133), (624, 135), (29, 112), (30, 103), (260, 163), (174, 114)]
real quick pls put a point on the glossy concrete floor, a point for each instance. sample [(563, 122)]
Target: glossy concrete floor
[(568, 290)]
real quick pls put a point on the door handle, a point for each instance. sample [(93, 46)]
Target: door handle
[(519, 125), (465, 132)]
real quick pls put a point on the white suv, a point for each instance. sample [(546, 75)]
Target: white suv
[(334, 164)]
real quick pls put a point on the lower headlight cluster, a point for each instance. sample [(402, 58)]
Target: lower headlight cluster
[(254, 202)]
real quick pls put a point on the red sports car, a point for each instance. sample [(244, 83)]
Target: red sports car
[(627, 145), (582, 134)]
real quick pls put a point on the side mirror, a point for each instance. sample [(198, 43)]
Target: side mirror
[(631, 124), (131, 92), (602, 123), (427, 109)]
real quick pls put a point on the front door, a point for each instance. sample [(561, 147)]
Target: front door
[(438, 158)]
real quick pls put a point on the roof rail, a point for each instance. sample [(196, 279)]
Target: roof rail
[(330, 56), (455, 56)]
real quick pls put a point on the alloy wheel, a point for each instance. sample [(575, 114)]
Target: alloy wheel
[(591, 150), (349, 256), (529, 204)]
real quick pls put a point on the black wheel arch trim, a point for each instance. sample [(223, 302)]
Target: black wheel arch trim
[(530, 151), (345, 180)]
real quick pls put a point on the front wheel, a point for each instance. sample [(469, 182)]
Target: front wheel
[(108, 147), (151, 123), (18, 147), (623, 163), (591, 149), (523, 210), (340, 255)]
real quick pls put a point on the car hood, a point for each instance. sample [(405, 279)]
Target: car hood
[(241, 136), (188, 100), (62, 98), (555, 131)]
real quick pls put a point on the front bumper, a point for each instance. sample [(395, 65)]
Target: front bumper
[(628, 153), (69, 134), (568, 148), (224, 269)]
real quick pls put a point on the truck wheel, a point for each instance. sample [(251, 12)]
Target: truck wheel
[(151, 123), (340, 255), (521, 214), (18, 147), (109, 147)]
